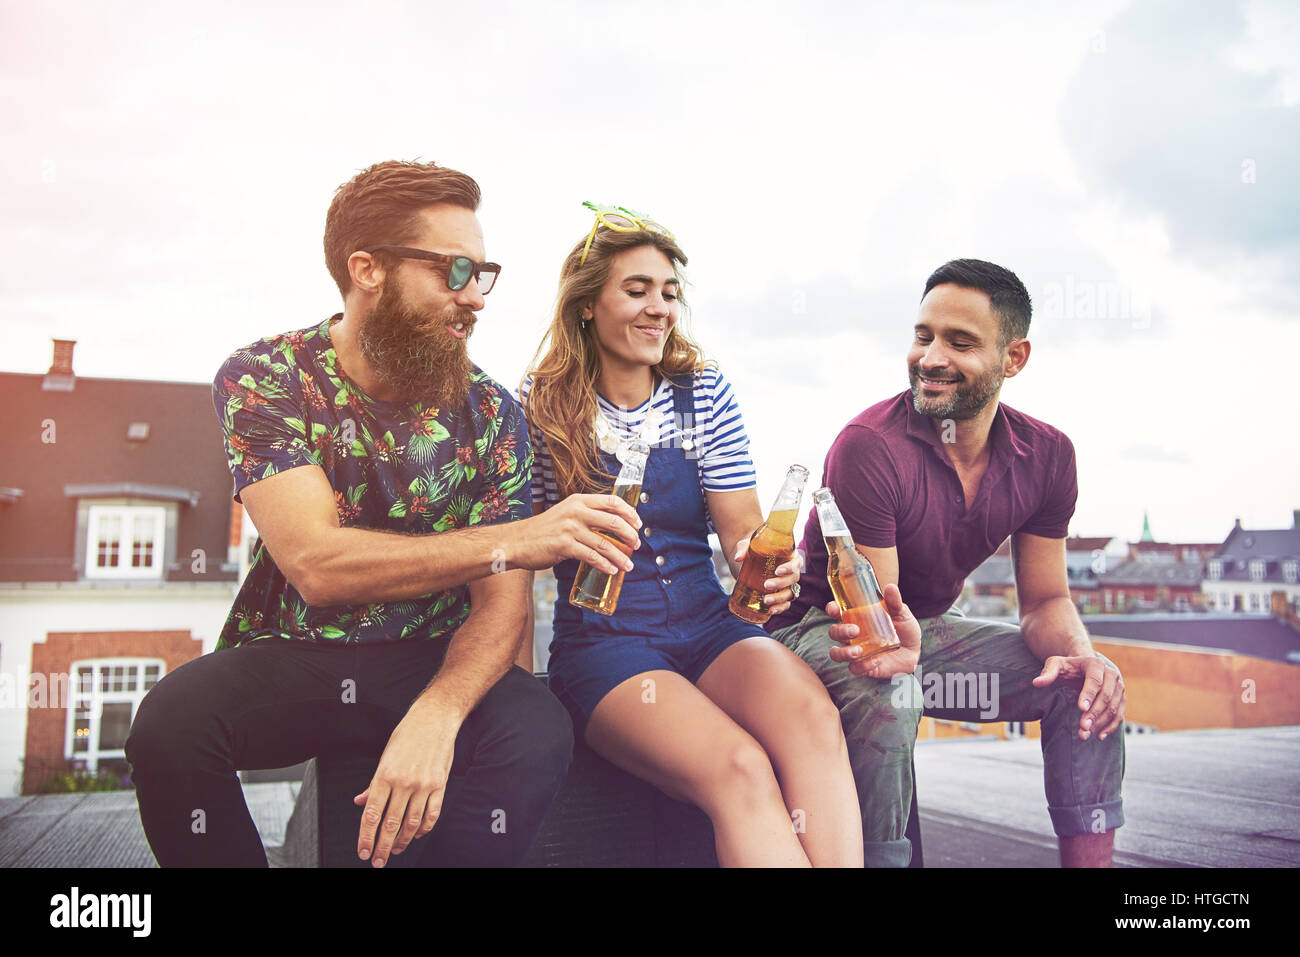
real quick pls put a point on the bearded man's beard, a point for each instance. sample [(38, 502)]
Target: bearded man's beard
[(964, 402), (413, 353)]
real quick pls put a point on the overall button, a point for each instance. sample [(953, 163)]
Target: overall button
[(644, 498), (647, 531), (668, 581), (659, 560), (688, 445)]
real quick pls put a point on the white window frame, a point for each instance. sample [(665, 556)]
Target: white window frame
[(1216, 569), (1291, 571), (1257, 567), (1252, 601), (94, 697), (126, 515)]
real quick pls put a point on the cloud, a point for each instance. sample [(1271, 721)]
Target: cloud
[(1167, 121), (1155, 453)]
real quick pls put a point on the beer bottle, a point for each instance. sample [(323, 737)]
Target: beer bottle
[(853, 581), (769, 546), (593, 589)]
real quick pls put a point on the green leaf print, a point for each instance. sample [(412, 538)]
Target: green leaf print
[(422, 448)]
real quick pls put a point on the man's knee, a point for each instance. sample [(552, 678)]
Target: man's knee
[(540, 732), (884, 712), (167, 729)]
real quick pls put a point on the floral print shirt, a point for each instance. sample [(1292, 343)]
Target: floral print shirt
[(285, 402)]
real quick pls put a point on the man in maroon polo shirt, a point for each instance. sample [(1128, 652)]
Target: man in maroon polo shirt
[(930, 483)]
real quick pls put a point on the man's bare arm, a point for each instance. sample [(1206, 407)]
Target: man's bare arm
[(407, 789), (295, 514), (1054, 632), (1048, 619)]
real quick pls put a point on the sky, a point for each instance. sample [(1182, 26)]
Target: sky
[(1137, 164)]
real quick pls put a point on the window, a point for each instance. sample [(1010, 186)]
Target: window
[(1254, 601), (125, 541), (1216, 569), (1291, 570), (1257, 566), (1180, 603), (105, 695)]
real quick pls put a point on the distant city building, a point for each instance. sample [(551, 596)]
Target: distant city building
[(1151, 585), (1256, 570), (991, 587)]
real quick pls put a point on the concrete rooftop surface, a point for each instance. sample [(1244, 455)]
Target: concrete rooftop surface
[(1227, 798)]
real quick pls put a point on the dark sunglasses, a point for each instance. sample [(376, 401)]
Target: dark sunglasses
[(459, 268)]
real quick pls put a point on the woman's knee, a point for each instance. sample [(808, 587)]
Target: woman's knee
[(817, 722), (739, 776)]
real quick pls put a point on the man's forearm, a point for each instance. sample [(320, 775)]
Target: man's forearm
[(480, 653), (1053, 627), (360, 565)]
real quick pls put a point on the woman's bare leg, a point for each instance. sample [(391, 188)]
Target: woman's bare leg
[(658, 726), (770, 692)]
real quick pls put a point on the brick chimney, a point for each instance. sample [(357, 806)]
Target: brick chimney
[(1295, 518), (61, 378)]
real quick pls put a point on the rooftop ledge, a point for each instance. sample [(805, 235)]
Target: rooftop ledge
[(1227, 798)]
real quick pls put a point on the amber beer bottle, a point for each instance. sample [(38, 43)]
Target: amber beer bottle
[(593, 589), (769, 546), (853, 581)]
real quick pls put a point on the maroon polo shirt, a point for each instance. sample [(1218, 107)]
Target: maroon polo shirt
[(896, 488)]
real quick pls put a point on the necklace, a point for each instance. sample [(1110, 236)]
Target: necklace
[(617, 441)]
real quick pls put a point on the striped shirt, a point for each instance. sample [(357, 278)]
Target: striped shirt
[(717, 436)]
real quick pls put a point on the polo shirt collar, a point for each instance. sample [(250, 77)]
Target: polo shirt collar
[(1003, 443)]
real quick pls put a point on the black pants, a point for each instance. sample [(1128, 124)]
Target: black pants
[(273, 703)]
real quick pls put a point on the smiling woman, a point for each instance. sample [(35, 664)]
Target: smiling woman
[(671, 686)]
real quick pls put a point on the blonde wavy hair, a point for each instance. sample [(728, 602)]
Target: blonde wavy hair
[(561, 403)]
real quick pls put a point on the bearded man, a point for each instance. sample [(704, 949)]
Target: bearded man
[(388, 478), (930, 483)]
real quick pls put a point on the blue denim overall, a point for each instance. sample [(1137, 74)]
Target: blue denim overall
[(672, 613)]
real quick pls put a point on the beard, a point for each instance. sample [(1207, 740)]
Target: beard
[(413, 353), (965, 401)]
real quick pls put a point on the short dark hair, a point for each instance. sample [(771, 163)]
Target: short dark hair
[(1007, 294), (381, 204)]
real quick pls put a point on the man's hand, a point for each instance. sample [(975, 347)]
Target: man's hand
[(584, 527), (407, 790), (778, 591), (1102, 697), (901, 661)]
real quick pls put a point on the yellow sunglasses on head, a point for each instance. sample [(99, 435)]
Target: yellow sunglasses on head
[(621, 220)]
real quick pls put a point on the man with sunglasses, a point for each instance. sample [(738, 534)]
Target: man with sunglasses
[(388, 478), (930, 483)]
